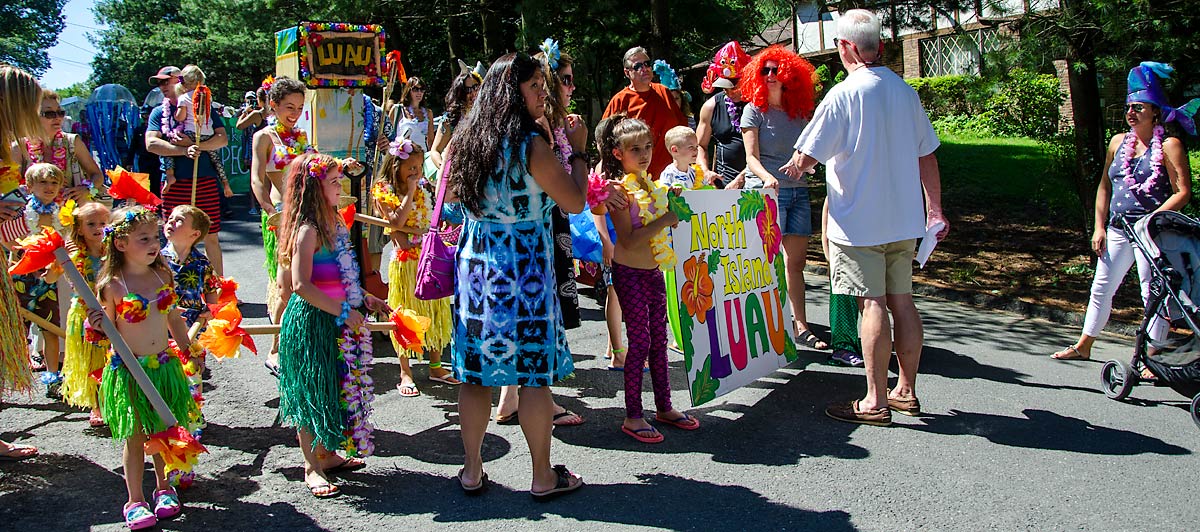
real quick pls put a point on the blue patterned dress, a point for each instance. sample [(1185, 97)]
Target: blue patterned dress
[(508, 327)]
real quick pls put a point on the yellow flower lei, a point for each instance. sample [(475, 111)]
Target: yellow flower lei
[(652, 205), (699, 183), (384, 195), (419, 217)]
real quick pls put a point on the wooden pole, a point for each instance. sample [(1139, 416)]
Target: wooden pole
[(373, 326), (42, 323)]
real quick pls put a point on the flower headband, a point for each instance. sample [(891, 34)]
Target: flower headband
[(133, 217), (266, 83), (319, 167), (401, 148), (549, 47), (476, 72)]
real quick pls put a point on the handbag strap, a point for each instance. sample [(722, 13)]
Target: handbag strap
[(442, 184)]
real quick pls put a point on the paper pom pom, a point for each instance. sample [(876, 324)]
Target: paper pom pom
[(178, 448), (39, 251), (410, 328), (136, 187)]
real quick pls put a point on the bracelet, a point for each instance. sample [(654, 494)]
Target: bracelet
[(577, 155), (435, 365), (341, 318)]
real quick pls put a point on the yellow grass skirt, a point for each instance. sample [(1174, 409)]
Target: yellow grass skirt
[(82, 359), (401, 276)]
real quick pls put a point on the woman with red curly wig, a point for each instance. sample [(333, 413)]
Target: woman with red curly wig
[(778, 84)]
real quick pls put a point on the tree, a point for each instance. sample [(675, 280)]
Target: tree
[(30, 28), (82, 89)]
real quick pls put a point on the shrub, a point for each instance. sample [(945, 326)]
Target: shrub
[(964, 126), (1026, 104), (950, 95)]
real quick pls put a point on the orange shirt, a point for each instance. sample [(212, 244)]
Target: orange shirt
[(656, 107)]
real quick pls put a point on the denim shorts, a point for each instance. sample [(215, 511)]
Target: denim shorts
[(795, 212)]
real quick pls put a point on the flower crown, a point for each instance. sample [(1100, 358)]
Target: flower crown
[(266, 83), (134, 217), (401, 148), (549, 47), (319, 167)]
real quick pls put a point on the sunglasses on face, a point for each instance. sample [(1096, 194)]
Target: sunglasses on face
[(473, 88), (1135, 107), (640, 65), (767, 71), (568, 80), (51, 115), (418, 89)]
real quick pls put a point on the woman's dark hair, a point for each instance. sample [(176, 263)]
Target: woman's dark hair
[(284, 87), (456, 99), (499, 117)]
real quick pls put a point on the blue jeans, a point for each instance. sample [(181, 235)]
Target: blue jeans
[(795, 211)]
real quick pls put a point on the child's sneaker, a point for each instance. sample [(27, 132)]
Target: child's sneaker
[(53, 382), (139, 516)]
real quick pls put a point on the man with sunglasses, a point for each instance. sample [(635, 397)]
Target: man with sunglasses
[(649, 102), (884, 191)]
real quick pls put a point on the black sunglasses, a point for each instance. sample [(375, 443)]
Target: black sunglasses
[(1135, 107), (641, 65), (418, 89), (54, 114), (568, 80), (767, 71)]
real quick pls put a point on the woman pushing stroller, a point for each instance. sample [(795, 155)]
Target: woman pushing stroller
[(1147, 171)]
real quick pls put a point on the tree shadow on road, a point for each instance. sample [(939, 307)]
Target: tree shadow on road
[(1042, 429), (658, 496), (752, 437), (951, 365)]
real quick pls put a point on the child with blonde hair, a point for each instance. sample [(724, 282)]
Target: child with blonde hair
[(86, 351), (184, 124), (683, 172), (38, 291)]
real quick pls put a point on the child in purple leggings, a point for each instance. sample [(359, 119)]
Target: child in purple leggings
[(642, 252)]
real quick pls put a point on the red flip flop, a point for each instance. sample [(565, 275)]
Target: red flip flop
[(656, 436)]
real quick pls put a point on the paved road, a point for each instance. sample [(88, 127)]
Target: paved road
[(1012, 441)]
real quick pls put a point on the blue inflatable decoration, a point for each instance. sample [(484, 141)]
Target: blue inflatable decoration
[(112, 115)]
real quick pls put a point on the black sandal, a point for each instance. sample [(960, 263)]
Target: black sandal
[(472, 491), (561, 487), (811, 340)]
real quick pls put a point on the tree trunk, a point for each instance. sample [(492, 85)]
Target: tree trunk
[(660, 30), (1089, 129)]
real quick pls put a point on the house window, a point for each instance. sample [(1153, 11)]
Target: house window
[(958, 53)]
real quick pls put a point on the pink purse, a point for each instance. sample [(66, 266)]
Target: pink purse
[(436, 265)]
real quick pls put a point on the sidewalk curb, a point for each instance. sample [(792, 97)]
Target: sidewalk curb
[(1004, 303)]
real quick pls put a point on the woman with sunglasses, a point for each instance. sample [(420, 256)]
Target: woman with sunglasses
[(566, 130), (64, 150), (778, 84), (458, 102), (411, 119), (1147, 171)]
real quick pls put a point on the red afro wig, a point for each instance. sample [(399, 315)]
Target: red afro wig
[(795, 74)]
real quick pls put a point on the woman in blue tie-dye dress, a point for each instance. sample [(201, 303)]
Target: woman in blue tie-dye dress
[(507, 327)]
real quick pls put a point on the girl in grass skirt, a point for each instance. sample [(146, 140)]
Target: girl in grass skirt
[(324, 349), (86, 350)]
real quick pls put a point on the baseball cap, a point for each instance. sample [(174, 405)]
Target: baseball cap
[(166, 72)]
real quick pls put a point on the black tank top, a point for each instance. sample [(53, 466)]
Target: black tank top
[(730, 153)]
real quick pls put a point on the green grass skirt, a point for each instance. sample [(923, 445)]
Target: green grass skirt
[(127, 410), (310, 373), (270, 248)]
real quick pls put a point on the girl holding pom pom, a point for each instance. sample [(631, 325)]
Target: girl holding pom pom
[(324, 349), (135, 287), (86, 350)]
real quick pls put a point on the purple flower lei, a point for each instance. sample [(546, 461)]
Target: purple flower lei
[(355, 347), (1156, 159), (732, 108)]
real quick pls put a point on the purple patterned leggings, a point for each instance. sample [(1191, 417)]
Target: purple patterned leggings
[(643, 298)]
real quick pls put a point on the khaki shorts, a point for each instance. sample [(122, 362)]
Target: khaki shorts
[(872, 271)]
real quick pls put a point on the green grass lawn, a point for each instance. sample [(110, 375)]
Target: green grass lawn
[(1005, 174)]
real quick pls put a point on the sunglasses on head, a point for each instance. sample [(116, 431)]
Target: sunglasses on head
[(640, 65), (1136, 107), (54, 114), (767, 71)]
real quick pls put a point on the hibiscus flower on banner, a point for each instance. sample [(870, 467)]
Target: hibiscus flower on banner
[(730, 293)]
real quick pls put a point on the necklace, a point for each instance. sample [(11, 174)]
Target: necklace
[(293, 142), (58, 150), (651, 198), (1156, 158)]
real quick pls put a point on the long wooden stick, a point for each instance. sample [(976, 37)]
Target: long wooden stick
[(358, 217), (374, 326), (42, 323), (118, 343)]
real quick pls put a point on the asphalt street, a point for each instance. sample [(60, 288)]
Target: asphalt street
[(1011, 440)]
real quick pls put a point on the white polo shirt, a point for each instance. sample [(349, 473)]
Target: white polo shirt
[(869, 131)]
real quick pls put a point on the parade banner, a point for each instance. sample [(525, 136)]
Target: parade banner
[(336, 54), (235, 156), (734, 317)]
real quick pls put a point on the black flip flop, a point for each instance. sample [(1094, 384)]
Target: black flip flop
[(561, 487), (472, 491)]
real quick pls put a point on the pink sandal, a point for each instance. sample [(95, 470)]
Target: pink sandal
[(139, 516)]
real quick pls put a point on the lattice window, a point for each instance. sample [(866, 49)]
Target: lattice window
[(958, 53)]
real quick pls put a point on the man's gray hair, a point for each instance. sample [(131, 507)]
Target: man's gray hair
[(862, 28), (629, 55)]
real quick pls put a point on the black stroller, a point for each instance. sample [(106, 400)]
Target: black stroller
[(1171, 241)]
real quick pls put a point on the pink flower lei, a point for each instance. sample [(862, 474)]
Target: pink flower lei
[(1156, 159)]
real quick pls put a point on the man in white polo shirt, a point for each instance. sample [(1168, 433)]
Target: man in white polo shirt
[(884, 189)]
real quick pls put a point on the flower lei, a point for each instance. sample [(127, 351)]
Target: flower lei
[(732, 108), (652, 204), (355, 348), (1156, 159), (58, 150), (294, 143), (34, 209), (597, 189), (419, 217), (383, 193), (170, 127), (562, 148)]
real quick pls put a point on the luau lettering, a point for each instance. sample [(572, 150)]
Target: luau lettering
[(340, 53), (754, 325), (725, 232)]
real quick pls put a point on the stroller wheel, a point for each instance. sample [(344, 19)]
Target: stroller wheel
[(1116, 380), (1196, 409)]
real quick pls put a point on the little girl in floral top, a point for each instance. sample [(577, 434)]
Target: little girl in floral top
[(400, 197), (643, 248), (86, 351)]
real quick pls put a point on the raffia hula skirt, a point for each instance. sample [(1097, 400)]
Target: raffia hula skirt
[(126, 408)]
